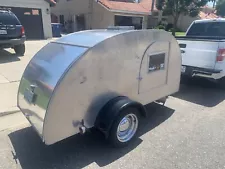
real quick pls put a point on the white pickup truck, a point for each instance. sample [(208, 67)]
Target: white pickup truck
[(203, 50)]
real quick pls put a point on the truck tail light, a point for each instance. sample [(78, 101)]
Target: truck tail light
[(22, 31), (221, 55)]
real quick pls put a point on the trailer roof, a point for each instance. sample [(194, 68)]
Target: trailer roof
[(89, 38)]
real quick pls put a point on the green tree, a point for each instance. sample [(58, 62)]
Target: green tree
[(220, 7), (177, 7), (214, 3)]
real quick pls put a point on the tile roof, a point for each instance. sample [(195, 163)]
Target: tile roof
[(204, 15), (143, 7), (52, 2)]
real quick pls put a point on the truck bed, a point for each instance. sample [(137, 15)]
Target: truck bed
[(199, 52)]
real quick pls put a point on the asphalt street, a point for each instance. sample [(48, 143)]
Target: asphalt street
[(186, 133)]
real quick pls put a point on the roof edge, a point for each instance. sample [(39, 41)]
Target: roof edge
[(124, 11), (130, 12), (51, 2)]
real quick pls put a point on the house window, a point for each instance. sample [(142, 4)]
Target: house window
[(156, 62)]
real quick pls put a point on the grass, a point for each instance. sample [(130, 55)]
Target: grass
[(180, 33)]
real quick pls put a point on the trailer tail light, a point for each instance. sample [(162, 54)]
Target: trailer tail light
[(221, 55), (22, 31)]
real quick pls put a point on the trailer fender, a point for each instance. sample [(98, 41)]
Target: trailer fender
[(111, 110)]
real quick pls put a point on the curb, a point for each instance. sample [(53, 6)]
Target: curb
[(9, 111)]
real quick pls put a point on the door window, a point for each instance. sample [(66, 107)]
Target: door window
[(156, 62)]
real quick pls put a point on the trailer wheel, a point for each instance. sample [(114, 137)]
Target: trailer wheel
[(125, 127)]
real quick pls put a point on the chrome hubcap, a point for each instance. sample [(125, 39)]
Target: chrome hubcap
[(127, 128)]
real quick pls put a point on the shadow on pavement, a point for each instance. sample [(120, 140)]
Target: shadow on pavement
[(201, 91), (78, 151), (6, 57)]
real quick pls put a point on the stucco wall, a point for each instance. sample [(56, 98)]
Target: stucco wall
[(41, 4), (184, 21), (145, 22), (152, 22), (101, 18)]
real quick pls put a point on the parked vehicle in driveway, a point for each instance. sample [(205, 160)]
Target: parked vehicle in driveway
[(12, 33), (203, 50)]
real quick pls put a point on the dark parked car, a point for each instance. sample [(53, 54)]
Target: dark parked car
[(12, 33)]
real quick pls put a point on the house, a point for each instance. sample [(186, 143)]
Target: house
[(185, 21), (78, 15), (33, 14), (205, 13)]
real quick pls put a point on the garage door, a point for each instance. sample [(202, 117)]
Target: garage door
[(128, 21), (31, 19)]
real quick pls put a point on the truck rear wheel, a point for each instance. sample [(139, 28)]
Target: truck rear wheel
[(125, 127), (20, 49)]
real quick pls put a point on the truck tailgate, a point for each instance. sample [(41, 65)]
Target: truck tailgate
[(199, 53)]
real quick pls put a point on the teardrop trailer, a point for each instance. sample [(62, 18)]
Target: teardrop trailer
[(100, 79)]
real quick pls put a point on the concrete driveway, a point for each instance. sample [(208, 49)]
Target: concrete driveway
[(11, 70)]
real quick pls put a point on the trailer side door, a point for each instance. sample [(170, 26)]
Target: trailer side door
[(154, 67)]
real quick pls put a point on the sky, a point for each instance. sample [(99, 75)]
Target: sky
[(210, 4)]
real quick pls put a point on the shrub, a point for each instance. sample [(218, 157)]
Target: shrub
[(160, 27)]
